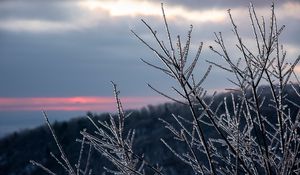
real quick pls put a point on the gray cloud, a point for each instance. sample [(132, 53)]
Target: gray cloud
[(227, 4), (83, 61), (37, 9), (73, 63)]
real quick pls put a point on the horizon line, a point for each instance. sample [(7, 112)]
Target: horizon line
[(76, 103)]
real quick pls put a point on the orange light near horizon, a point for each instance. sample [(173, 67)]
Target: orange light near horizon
[(297, 69), (80, 103)]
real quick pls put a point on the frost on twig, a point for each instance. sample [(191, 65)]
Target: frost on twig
[(235, 137), (116, 144), (63, 160), (229, 136)]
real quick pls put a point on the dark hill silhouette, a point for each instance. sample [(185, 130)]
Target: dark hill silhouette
[(36, 144)]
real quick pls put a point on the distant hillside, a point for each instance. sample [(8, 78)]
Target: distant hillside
[(17, 149)]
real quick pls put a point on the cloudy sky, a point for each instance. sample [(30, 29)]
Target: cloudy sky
[(62, 55)]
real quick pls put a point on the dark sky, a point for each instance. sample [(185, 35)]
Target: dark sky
[(62, 50)]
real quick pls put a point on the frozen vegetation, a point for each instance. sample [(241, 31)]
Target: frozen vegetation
[(251, 129)]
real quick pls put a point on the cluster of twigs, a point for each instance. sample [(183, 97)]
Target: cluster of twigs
[(111, 140), (241, 138), (254, 142), (63, 161)]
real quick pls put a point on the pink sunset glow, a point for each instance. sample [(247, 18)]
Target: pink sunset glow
[(81, 103)]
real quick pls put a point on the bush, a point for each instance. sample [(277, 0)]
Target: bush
[(228, 136)]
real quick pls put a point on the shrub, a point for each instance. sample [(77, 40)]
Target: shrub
[(235, 137)]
